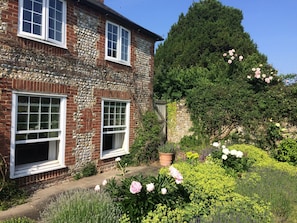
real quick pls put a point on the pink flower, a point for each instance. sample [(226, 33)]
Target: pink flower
[(267, 80), (135, 187), (176, 175), (225, 54), (229, 61)]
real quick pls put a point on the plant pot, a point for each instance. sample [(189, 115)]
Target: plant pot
[(166, 159)]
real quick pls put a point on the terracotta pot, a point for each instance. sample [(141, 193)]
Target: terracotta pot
[(166, 159)]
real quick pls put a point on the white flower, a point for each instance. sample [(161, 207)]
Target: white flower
[(97, 188), (225, 54), (104, 182), (240, 58), (239, 154), (224, 157), (118, 159), (277, 124), (163, 191), (216, 144), (248, 77), (226, 151), (229, 61), (233, 152), (150, 187)]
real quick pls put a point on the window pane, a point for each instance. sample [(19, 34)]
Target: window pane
[(37, 18), (54, 125), (27, 4), (27, 16), (31, 152), (37, 7), (32, 136), (59, 5), (53, 134), (43, 135), (27, 27), (21, 137)]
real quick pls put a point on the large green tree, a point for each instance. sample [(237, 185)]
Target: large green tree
[(199, 39)]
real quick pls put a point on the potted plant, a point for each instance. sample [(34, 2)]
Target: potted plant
[(166, 153)]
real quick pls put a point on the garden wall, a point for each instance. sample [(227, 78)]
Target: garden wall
[(178, 121)]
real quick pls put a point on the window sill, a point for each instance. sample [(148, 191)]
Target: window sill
[(113, 154), (35, 168), (63, 46), (118, 61)]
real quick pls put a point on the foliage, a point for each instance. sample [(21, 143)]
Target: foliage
[(121, 166), (230, 89), (81, 206), (167, 147), (192, 157), (19, 220), (193, 142), (211, 189), (89, 169), (3, 171), (274, 186), (263, 160), (139, 195), (233, 161), (241, 209), (148, 138), (286, 151), (11, 195), (163, 214)]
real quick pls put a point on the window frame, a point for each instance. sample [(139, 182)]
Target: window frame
[(44, 36), (125, 145), (27, 169), (118, 58)]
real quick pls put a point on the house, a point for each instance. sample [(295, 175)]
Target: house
[(74, 78)]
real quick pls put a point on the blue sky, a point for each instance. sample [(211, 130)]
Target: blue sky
[(272, 24)]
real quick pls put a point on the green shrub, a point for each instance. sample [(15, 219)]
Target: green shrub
[(163, 214), (148, 138), (262, 159), (11, 195), (88, 170), (286, 151), (19, 220), (211, 189), (239, 208), (233, 161), (79, 206), (138, 195)]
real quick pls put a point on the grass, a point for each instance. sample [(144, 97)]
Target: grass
[(277, 187)]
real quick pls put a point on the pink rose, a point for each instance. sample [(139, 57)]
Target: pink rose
[(176, 175), (135, 187)]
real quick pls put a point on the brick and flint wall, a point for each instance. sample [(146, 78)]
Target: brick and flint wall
[(80, 72)]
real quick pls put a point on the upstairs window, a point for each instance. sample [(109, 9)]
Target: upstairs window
[(117, 43), (43, 20)]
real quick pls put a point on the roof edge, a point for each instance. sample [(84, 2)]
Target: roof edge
[(120, 18)]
